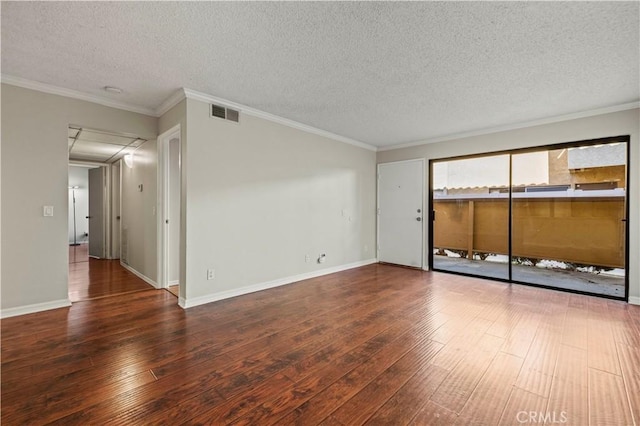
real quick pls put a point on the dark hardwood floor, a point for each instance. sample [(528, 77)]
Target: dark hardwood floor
[(95, 278), (79, 253), (376, 345)]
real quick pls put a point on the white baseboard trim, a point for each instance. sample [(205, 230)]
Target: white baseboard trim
[(214, 297), (634, 300), (139, 275), (176, 282), (36, 307)]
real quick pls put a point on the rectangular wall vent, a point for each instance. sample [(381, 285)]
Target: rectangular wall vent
[(229, 114), (233, 115)]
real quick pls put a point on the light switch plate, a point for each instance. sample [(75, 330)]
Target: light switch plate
[(47, 211)]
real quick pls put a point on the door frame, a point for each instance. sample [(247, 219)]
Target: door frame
[(163, 203), (571, 144), (423, 239), (106, 202)]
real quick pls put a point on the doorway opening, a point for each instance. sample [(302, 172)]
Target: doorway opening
[(95, 158), (169, 221), (78, 214)]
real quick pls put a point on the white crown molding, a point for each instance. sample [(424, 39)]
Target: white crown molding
[(170, 102), (539, 122), (75, 94), (203, 97)]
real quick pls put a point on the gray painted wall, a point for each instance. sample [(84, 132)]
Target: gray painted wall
[(261, 195), (613, 124), (35, 172)]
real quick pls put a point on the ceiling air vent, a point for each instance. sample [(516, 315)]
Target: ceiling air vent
[(225, 113)]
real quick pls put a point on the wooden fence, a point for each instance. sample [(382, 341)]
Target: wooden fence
[(587, 230)]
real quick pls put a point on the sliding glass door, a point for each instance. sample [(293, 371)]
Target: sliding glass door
[(471, 212), (569, 218), (552, 216)]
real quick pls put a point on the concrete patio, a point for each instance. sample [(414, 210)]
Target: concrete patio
[(602, 283)]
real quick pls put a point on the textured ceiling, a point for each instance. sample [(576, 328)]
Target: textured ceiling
[(380, 73)]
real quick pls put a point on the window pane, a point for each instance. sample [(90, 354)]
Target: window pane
[(471, 222), (568, 218)]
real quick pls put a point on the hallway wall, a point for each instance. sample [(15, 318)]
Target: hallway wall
[(34, 138)]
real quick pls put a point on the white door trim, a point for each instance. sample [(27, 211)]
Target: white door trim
[(425, 216), (163, 203)]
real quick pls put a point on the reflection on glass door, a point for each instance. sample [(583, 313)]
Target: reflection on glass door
[(568, 218), (471, 216)]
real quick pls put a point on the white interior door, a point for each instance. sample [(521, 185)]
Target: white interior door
[(173, 218), (400, 213), (169, 236), (96, 212), (115, 212)]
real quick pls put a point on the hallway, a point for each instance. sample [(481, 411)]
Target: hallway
[(97, 278)]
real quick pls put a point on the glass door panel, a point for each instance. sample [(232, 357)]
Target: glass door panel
[(471, 216), (568, 218)]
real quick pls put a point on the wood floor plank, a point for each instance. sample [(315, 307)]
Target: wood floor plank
[(524, 408), (630, 365), (418, 328), (540, 362), (520, 335), (373, 396), (605, 357), (408, 401), (575, 331), (489, 398), (569, 399), (459, 346), (572, 365), (433, 414), (460, 383), (608, 399), (107, 277), (316, 377), (377, 344)]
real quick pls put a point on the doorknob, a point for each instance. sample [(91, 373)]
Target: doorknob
[(419, 219)]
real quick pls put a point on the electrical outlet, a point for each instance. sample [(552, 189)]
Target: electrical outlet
[(211, 274), (322, 258), (307, 258), (366, 248)]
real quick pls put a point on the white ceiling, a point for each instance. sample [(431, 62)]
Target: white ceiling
[(380, 73), (99, 146)]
